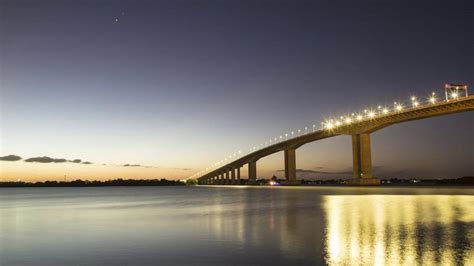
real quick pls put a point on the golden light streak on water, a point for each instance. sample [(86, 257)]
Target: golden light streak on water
[(399, 229)]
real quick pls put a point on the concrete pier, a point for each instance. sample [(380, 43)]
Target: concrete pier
[(252, 171), (238, 175), (290, 167), (362, 161), (232, 176)]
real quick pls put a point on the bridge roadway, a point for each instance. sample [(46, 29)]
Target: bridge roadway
[(361, 150)]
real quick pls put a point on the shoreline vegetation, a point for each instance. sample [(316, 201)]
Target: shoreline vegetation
[(464, 181), (95, 183)]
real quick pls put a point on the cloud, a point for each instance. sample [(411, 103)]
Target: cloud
[(132, 165), (86, 163), (45, 159), (10, 158), (76, 161), (183, 169)]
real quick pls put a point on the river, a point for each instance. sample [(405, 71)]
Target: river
[(237, 226)]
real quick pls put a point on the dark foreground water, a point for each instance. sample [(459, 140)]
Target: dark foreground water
[(236, 226)]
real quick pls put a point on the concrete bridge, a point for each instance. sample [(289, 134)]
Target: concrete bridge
[(358, 127)]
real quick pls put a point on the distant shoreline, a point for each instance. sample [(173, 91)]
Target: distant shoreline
[(394, 182), (95, 183)]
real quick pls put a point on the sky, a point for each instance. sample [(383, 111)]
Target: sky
[(163, 89)]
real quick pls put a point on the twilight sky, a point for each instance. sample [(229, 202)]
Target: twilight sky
[(177, 85)]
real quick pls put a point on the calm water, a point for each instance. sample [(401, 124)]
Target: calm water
[(236, 226)]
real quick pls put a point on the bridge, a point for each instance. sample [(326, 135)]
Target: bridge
[(359, 127)]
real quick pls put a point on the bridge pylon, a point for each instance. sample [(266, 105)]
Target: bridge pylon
[(362, 161)]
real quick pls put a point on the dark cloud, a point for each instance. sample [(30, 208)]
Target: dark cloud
[(10, 158), (45, 159), (76, 161), (132, 165), (86, 163)]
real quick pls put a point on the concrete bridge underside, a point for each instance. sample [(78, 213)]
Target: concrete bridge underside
[(361, 147)]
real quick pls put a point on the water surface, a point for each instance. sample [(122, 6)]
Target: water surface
[(236, 226)]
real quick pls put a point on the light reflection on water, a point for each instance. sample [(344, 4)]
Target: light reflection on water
[(236, 225), (399, 229)]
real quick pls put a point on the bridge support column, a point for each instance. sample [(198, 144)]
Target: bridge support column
[(227, 177), (290, 167), (221, 179), (362, 161), (232, 176), (238, 175), (252, 172)]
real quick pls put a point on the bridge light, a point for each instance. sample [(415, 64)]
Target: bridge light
[(348, 120), (365, 111), (454, 95), (353, 114), (337, 123), (415, 104), (292, 132), (359, 117), (379, 107), (371, 114), (413, 98), (399, 107), (385, 111), (328, 125), (342, 117)]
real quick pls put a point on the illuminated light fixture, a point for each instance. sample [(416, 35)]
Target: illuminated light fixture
[(292, 132), (365, 111), (371, 114), (239, 151), (359, 117), (415, 104), (337, 123), (353, 114), (342, 117), (305, 128), (399, 107), (379, 107), (286, 134), (413, 98), (348, 120), (432, 100), (385, 111), (329, 125), (454, 95), (281, 137)]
